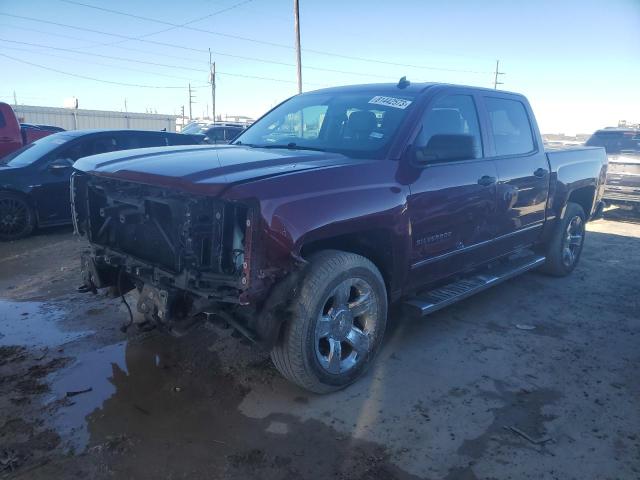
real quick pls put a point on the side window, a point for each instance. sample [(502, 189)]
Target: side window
[(101, 144), (144, 140), (510, 126), (72, 152), (450, 131), (180, 139), (3, 123), (216, 135)]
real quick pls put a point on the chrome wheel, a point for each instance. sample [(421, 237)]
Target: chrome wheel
[(14, 216), (572, 241), (345, 327)]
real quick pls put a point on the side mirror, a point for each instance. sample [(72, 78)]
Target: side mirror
[(60, 164), (444, 148)]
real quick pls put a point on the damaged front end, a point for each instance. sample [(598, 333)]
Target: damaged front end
[(187, 255)]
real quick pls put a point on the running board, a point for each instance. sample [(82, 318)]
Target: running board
[(433, 300)]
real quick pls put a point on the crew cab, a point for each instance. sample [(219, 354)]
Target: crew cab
[(332, 206)]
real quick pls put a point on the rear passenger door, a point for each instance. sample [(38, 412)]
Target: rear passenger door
[(522, 167)]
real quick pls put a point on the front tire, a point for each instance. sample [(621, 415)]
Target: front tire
[(565, 245), (17, 218), (337, 323)]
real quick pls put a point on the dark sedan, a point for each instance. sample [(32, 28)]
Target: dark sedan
[(34, 180)]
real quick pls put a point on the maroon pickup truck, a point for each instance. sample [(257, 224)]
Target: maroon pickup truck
[(331, 207)]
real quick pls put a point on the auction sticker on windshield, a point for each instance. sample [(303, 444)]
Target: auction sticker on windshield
[(390, 102)]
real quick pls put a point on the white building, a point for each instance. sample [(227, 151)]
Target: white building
[(75, 119)]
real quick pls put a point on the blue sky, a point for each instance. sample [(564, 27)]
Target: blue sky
[(577, 61)]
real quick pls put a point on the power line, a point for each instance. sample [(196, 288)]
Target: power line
[(144, 62), (497, 72), (237, 37), (74, 50), (241, 57), (98, 63), (254, 40), (85, 77), (172, 27)]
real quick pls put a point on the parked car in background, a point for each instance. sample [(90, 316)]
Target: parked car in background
[(215, 133), (31, 132), (331, 206), (14, 135), (623, 177), (10, 134), (34, 180), (195, 127), (616, 140)]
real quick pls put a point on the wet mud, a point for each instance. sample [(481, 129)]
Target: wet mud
[(466, 395)]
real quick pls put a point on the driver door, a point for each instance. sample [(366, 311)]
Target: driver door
[(453, 194)]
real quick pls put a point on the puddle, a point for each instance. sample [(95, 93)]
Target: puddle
[(161, 406), (91, 370), (33, 324)]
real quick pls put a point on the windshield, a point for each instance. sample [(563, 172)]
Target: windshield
[(354, 124), (36, 150)]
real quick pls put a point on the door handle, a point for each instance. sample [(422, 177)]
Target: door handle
[(540, 172), (486, 180)]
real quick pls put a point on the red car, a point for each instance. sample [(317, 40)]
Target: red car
[(14, 135), (10, 135)]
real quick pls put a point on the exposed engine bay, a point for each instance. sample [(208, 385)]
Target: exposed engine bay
[(185, 254)]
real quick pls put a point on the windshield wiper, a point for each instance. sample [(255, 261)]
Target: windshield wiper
[(292, 146)]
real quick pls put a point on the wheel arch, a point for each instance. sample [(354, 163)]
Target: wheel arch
[(583, 196), (377, 245)]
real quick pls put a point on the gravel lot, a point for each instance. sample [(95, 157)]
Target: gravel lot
[(469, 393)]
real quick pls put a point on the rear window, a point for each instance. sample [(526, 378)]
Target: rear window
[(616, 142), (510, 126)]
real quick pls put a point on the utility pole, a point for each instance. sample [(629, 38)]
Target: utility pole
[(15, 98), (497, 72), (126, 114), (182, 117), (296, 19), (212, 80), (191, 97)]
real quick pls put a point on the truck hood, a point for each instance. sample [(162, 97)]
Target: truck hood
[(204, 169)]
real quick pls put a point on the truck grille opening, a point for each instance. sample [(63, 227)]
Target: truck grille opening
[(168, 229)]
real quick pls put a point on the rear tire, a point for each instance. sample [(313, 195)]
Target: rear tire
[(337, 323), (17, 218), (565, 245)]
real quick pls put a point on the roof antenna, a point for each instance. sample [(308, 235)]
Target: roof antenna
[(403, 83)]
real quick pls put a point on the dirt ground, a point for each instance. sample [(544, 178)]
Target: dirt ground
[(536, 378)]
